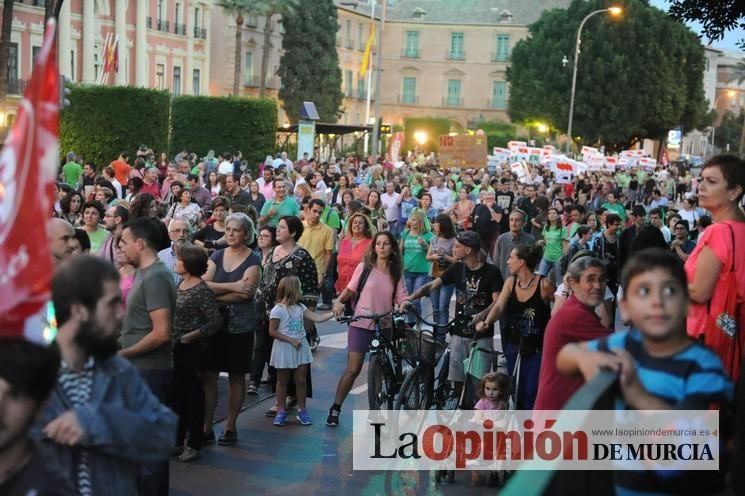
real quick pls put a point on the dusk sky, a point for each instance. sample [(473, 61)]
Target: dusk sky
[(729, 42)]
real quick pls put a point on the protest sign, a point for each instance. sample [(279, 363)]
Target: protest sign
[(463, 151)]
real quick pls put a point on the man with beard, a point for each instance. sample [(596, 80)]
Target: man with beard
[(28, 372), (113, 220), (102, 420)]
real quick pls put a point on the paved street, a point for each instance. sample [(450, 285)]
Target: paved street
[(315, 460)]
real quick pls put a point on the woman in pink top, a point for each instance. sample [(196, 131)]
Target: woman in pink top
[(720, 191), (383, 288), (358, 236)]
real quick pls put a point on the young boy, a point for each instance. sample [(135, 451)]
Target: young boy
[(660, 368)]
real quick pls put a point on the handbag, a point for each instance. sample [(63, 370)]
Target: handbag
[(723, 333)]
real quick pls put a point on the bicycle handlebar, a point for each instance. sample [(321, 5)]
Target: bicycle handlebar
[(347, 319)]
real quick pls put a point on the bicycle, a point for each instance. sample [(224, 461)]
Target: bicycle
[(388, 357)]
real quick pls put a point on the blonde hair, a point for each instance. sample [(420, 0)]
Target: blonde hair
[(423, 225), (289, 291)]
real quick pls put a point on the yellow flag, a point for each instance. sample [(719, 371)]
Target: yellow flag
[(368, 51)]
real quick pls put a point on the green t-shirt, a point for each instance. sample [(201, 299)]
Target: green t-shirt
[(287, 207), (623, 180), (553, 238), (97, 238), (617, 208), (415, 253), (72, 172), (330, 217)]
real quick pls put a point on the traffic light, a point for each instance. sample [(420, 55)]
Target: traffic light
[(64, 91), (385, 129)]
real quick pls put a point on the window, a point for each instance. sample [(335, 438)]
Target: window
[(196, 83), (176, 80), (456, 46), (13, 68), (412, 44), (160, 76), (350, 83), (160, 11), (249, 70), (360, 87), (453, 98), (72, 65), (361, 36), (350, 42), (178, 15), (503, 47), (499, 95), (196, 18), (34, 53), (409, 93)]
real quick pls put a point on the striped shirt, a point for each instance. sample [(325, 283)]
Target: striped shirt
[(691, 379)]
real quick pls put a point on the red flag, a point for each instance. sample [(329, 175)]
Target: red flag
[(28, 166), (106, 56)]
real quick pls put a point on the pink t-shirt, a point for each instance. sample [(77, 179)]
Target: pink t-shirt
[(486, 405), (718, 237), (376, 296)]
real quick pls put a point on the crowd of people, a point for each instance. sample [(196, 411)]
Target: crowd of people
[(170, 271)]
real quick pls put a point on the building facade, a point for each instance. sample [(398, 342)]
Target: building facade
[(163, 44)]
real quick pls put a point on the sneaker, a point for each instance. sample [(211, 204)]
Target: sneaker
[(272, 412), (315, 342), (189, 454), (228, 438), (208, 438), (304, 417), (281, 418), (333, 418), (252, 389)]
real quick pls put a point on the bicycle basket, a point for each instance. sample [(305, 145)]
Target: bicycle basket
[(421, 346)]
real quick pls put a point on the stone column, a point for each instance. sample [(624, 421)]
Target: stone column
[(65, 41), (120, 25), (141, 61), (89, 40), (189, 65)]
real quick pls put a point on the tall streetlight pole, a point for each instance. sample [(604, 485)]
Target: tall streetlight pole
[(378, 77), (728, 94), (614, 11)]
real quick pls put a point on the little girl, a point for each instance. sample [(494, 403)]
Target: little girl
[(290, 351), (494, 395)]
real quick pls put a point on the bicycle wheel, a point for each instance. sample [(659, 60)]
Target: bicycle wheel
[(416, 391), (379, 379)]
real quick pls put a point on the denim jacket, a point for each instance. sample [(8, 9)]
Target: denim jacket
[(124, 425)]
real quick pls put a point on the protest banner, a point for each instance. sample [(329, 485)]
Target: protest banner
[(463, 151), (396, 145), (520, 170), (610, 164), (514, 145)]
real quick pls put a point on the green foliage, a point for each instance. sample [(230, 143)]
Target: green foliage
[(309, 67), (729, 131), (638, 76), (201, 123), (433, 126), (98, 126), (715, 16)]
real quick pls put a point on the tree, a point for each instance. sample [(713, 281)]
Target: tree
[(716, 16), (638, 76), (309, 67), (273, 7), (240, 9), (729, 131), (5, 49)]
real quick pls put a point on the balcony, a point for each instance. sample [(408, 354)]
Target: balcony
[(451, 55), (496, 103), (410, 53), (163, 25), (179, 29), (408, 99), (449, 101), (200, 33), (16, 86), (500, 57), (149, 22), (254, 81)]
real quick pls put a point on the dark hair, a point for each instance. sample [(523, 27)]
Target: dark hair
[(649, 236), (64, 187), (733, 171), (83, 239), (221, 201), (542, 203), (182, 193), (317, 201), (655, 211), (502, 382), (612, 218), (377, 203), (447, 230), (272, 231), (704, 221), (140, 206), (65, 202), (136, 183), (651, 259), (176, 183), (80, 280), (395, 264), (276, 179), (147, 230), (531, 255), (583, 229), (93, 204), (121, 211), (194, 259), (639, 211), (30, 369), (294, 225), (124, 154), (558, 224)]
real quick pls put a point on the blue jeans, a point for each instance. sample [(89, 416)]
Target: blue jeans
[(530, 366), (441, 305), (545, 268), (414, 280), (153, 478)]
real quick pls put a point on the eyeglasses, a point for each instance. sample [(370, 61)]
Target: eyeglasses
[(179, 231), (265, 236)]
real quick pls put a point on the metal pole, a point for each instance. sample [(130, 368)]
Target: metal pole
[(378, 76), (369, 89), (574, 74)]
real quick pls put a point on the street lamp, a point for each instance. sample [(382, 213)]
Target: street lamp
[(728, 94), (614, 11), (420, 137)]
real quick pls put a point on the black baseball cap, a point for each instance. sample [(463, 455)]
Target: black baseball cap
[(470, 239)]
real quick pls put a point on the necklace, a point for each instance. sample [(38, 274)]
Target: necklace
[(530, 283)]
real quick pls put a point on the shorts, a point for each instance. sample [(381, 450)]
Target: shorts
[(358, 338), (460, 348)]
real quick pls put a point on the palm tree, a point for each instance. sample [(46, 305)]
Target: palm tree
[(274, 7), (5, 49), (240, 9)]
